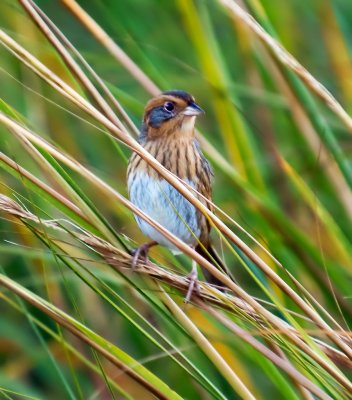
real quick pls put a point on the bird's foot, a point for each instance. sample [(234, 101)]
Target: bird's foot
[(141, 253), (193, 283)]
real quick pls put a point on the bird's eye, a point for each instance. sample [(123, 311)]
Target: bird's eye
[(168, 106)]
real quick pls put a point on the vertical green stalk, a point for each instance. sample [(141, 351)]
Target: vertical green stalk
[(231, 126)]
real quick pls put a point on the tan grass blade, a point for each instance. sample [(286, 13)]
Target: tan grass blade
[(40, 184), (70, 62), (183, 247), (118, 258), (207, 347), (137, 372), (289, 61), (72, 95), (103, 38), (326, 161), (280, 362)]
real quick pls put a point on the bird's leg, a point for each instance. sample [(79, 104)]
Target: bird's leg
[(141, 252), (193, 282)]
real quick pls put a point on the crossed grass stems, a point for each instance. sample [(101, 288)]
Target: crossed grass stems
[(113, 250)]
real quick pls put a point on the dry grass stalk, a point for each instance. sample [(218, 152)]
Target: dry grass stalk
[(40, 184), (277, 360), (70, 62), (130, 66), (80, 331), (203, 343), (326, 161), (207, 295), (96, 30), (14, 127), (289, 61), (73, 96), (103, 38), (108, 252)]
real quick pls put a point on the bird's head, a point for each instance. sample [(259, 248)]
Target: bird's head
[(172, 112)]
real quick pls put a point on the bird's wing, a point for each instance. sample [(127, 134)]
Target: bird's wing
[(204, 186), (205, 176)]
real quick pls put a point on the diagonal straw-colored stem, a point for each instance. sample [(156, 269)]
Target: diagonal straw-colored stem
[(133, 69), (120, 259), (290, 62), (68, 59), (206, 346), (112, 47), (91, 338), (269, 354), (104, 187), (68, 92), (43, 186)]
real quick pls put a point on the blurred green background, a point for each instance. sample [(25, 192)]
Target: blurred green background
[(275, 174)]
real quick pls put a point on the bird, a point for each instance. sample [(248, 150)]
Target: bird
[(168, 134)]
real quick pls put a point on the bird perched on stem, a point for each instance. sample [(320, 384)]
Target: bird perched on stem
[(168, 134)]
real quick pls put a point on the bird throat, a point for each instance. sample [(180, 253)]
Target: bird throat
[(187, 126)]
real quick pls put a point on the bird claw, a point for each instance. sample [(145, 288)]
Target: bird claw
[(137, 253), (193, 284), (141, 253)]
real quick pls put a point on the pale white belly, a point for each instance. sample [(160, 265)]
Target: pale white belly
[(163, 203)]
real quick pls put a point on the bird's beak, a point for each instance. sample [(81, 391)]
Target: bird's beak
[(192, 109)]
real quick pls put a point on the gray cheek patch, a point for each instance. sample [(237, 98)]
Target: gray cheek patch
[(158, 115)]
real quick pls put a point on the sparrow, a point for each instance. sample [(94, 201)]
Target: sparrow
[(168, 134)]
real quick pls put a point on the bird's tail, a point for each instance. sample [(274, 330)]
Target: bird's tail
[(212, 256)]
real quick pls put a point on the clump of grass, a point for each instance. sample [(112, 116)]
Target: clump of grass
[(282, 327)]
